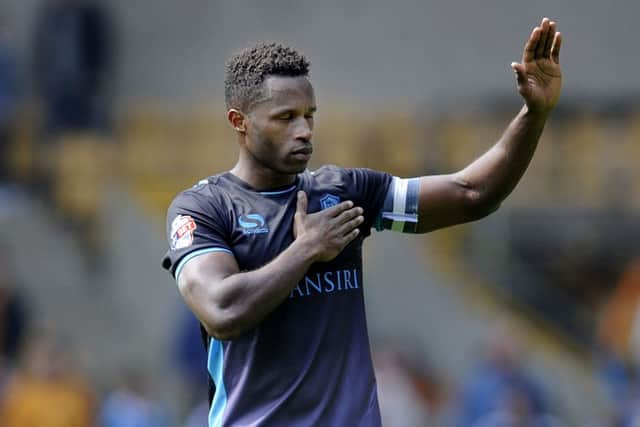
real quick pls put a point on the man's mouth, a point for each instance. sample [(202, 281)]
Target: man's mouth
[(303, 154), (303, 150)]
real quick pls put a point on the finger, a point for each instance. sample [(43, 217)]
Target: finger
[(348, 238), (555, 49), (530, 48), (301, 206), (521, 75), (348, 215), (550, 38), (350, 225), (339, 208), (543, 38)]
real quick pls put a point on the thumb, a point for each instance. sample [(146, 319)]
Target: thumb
[(519, 69), (301, 208)]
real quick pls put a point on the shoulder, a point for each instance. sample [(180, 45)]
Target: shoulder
[(202, 193), (355, 181), (330, 178), (327, 173), (333, 174)]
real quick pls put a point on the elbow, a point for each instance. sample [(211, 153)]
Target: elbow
[(220, 315), (477, 202), (218, 321), (480, 205), (222, 334), (223, 323)]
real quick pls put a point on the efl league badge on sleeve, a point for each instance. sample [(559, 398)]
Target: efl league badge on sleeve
[(329, 200), (182, 229)]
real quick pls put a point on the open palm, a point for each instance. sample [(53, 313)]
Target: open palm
[(539, 75)]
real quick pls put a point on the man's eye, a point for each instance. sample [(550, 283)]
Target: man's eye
[(287, 116)]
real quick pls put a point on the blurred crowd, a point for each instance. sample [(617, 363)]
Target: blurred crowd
[(60, 88), (619, 347), (42, 385)]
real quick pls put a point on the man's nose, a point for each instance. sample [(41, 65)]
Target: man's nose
[(304, 130)]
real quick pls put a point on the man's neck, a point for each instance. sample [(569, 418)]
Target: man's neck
[(260, 177)]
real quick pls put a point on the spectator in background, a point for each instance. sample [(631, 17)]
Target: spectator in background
[(4, 379), (190, 357), (130, 405), (629, 407), (618, 328), (401, 402), (9, 96), (514, 410), (45, 392), (618, 378), (73, 51), (619, 341), (199, 415), (13, 318), (190, 361), (499, 382)]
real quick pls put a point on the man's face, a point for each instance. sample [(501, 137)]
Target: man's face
[(280, 126)]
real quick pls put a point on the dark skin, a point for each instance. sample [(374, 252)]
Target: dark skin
[(274, 136)]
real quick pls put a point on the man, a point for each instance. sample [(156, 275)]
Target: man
[(45, 390), (268, 255), (9, 99), (73, 52)]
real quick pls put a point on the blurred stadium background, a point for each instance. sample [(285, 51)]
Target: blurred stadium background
[(109, 108)]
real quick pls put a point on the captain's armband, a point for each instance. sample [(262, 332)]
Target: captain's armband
[(400, 209)]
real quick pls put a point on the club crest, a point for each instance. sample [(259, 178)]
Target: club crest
[(329, 200)]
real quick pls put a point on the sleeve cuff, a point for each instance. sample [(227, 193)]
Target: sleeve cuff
[(192, 255)]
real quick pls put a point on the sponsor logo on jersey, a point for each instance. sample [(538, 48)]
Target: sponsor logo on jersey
[(329, 200), (326, 283), (253, 224), (182, 229)]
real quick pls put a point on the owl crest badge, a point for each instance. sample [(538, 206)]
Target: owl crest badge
[(329, 200)]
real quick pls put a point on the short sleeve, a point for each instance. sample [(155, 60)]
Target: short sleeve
[(194, 226), (370, 187)]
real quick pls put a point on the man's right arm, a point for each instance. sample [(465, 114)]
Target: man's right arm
[(229, 302)]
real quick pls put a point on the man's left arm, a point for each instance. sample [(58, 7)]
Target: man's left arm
[(478, 189)]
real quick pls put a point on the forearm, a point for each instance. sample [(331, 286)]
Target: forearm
[(244, 299), (493, 176)]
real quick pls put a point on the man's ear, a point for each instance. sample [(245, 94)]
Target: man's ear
[(237, 120)]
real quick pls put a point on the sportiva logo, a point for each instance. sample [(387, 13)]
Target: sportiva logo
[(252, 224), (329, 200)]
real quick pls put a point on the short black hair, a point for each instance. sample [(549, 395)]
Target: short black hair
[(247, 70)]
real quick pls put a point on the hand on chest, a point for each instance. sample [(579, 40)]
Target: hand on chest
[(262, 225)]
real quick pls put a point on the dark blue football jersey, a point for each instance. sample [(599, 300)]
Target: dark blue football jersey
[(308, 363)]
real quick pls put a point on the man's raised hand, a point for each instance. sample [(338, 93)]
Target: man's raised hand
[(538, 75)]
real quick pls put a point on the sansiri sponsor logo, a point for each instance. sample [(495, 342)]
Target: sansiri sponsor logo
[(326, 283)]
